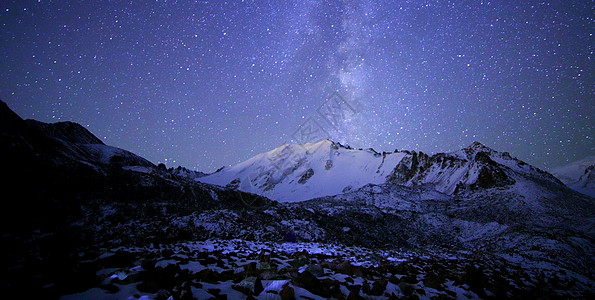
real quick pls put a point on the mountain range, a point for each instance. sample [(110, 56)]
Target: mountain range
[(72, 204), (301, 172)]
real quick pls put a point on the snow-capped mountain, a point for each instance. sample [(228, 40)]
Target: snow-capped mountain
[(579, 175), (300, 172)]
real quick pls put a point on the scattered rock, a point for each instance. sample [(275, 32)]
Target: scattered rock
[(309, 282), (353, 295), (148, 264), (162, 294), (406, 289), (244, 290), (378, 287), (316, 270), (287, 292), (258, 286)]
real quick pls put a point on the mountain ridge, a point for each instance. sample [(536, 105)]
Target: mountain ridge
[(283, 173)]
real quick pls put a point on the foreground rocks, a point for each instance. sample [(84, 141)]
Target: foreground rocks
[(238, 269)]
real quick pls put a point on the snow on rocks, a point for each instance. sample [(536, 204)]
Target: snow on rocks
[(239, 269)]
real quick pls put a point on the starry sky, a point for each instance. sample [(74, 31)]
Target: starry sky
[(205, 84)]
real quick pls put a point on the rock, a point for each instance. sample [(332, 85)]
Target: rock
[(207, 275), (476, 279), (161, 278), (258, 286), (287, 292), (299, 262), (435, 283), (245, 286), (162, 294), (290, 237), (183, 291), (186, 295), (250, 268), (411, 279), (268, 275), (336, 292), (226, 275), (406, 288), (316, 270), (167, 253), (148, 264), (242, 289), (264, 265), (306, 176), (378, 287), (333, 286), (309, 282), (394, 280), (176, 292), (366, 287), (353, 295), (354, 287), (348, 269)]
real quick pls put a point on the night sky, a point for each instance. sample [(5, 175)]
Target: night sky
[(204, 84)]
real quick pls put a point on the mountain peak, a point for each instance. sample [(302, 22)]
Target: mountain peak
[(68, 131), (7, 116), (323, 142), (477, 145)]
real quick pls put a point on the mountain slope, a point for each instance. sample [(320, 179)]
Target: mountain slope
[(579, 175)]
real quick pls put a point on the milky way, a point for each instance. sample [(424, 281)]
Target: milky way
[(209, 83)]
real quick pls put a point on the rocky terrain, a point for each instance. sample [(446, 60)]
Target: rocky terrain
[(239, 269), (84, 220)]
